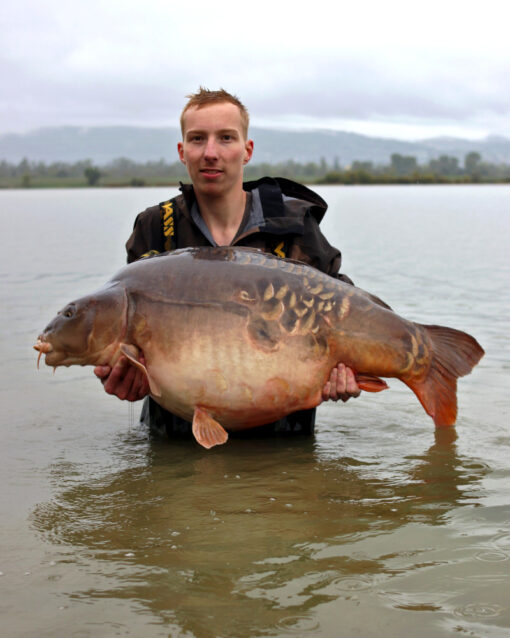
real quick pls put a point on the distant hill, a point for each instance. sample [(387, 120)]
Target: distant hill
[(101, 144)]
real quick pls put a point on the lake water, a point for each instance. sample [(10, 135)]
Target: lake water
[(378, 525)]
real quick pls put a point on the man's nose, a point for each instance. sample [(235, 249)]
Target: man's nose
[(211, 149)]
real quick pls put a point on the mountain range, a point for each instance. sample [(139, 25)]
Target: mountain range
[(101, 144)]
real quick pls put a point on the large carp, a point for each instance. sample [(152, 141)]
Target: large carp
[(235, 338)]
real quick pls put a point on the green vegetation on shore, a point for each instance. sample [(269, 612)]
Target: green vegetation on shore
[(402, 169)]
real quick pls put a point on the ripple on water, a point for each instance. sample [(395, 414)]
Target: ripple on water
[(479, 610), (503, 543), (491, 556), (298, 624), (352, 584)]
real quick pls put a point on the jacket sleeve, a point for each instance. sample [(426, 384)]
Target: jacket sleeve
[(314, 249), (147, 235)]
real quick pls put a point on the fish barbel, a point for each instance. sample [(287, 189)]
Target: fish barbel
[(235, 338)]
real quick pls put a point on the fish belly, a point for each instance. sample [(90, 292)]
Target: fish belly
[(241, 385)]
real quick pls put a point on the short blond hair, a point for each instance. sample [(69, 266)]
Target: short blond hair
[(205, 97)]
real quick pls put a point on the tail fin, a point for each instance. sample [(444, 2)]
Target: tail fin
[(455, 354)]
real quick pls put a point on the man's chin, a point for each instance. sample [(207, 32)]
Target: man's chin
[(216, 181), (210, 187)]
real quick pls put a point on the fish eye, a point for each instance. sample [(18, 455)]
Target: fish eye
[(68, 312)]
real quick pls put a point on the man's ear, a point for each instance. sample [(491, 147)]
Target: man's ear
[(248, 148), (180, 150)]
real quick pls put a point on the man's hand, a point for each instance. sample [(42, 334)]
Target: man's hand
[(124, 380), (341, 385)]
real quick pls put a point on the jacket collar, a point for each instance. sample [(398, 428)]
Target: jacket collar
[(270, 192)]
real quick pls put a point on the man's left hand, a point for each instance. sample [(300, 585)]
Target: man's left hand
[(341, 385)]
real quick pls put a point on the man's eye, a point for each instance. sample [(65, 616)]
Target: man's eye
[(226, 138)]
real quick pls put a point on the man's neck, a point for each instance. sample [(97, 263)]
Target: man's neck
[(223, 215)]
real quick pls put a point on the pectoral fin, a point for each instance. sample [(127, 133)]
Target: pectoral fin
[(370, 384), (131, 352), (206, 430)]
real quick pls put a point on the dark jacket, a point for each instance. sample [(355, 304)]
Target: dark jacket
[(282, 217), (289, 213)]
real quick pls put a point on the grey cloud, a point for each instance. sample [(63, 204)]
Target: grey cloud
[(60, 78), (362, 91)]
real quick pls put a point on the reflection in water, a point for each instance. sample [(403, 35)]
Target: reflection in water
[(250, 538)]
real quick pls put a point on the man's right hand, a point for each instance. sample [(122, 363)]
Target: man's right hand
[(341, 385), (124, 380)]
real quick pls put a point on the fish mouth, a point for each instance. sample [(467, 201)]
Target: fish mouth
[(43, 347)]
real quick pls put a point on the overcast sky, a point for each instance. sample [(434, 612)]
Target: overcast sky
[(391, 68)]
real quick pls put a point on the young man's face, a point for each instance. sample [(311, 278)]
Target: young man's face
[(214, 149)]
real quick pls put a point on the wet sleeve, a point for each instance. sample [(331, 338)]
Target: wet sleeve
[(147, 235)]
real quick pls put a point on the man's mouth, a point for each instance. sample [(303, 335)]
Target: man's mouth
[(210, 172)]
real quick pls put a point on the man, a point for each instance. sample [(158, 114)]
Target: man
[(275, 215)]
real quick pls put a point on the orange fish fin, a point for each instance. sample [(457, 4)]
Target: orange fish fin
[(206, 430), (455, 353), (370, 384), (438, 395), (131, 352)]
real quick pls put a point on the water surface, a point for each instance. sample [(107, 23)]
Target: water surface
[(377, 525)]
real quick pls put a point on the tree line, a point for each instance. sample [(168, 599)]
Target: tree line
[(126, 172), (406, 169)]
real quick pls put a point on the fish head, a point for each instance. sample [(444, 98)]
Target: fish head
[(86, 331)]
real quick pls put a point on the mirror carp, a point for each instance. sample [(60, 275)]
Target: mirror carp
[(234, 338)]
